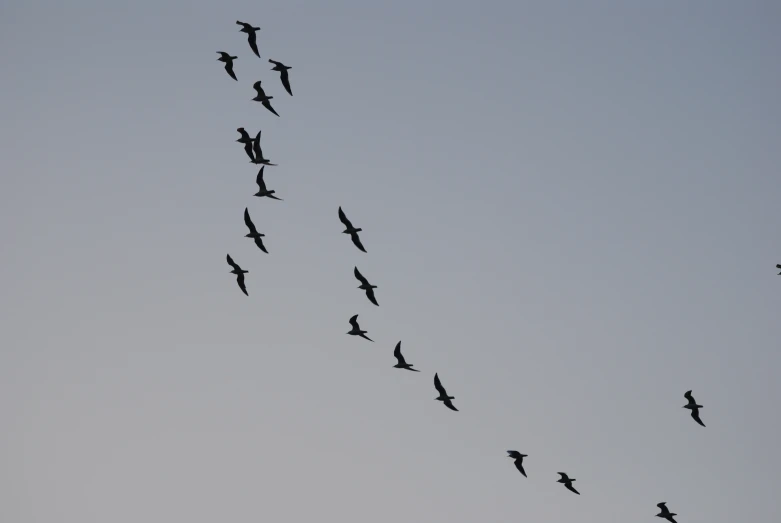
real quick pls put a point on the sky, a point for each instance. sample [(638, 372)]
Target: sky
[(571, 213)]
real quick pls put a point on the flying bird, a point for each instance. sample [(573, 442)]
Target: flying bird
[(257, 153), (567, 482), (262, 190), (778, 266), (352, 231), (253, 232), (366, 286), (692, 405), (239, 272), (247, 141), (665, 512), (282, 68), (402, 363), (518, 457), (443, 397), (356, 330), (262, 98), (228, 59), (252, 36)]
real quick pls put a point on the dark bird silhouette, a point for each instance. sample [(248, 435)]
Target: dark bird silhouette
[(356, 330), (228, 59), (262, 98), (352, 231), (518, 457), (282, 68), (366, 286), (665, 512), (567, 482), (253, 232), (262, 190), (692, 405), (778, 266), (443, 397), (257, 153), (402, 363), (252, 36), (239, 272), (247, 141)]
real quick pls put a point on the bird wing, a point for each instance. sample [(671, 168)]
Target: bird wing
[(357, 241), (397, 354), (449, 405), (229, 68), (244, 135), (233, 263), (438, 385), (519, 466), (354, 322), (248, 150), (240, 281), (663, 507), (267, 105), (688, 396), (372, 298), (360, 277), (285, 81), (259, 243), (256, 147), (778, 266), (252, 38), (248, 222), (563, 476), (259, 180), (344, 219), (570, 487), (696, 416)]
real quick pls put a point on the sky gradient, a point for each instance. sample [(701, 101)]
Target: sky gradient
[(571, 212)]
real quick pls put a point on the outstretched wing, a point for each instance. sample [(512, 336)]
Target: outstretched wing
[(570, 487), (233, 263), (240, 281), (663, 507), (252, 37), (696, 416), (267, 105), (360, 277), (344, 219), (285, 81), (397, 354), (438, 385), (259, 243), (354, 322), (248, 222), (372, 298), (259, 89), (229, 68), (256, 147), (259, 180), (519, 466), (357, 241), (248, 150), (449, 405)]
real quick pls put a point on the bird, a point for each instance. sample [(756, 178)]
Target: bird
[(257, 153), (402, 363), (282, 68), (567, 482), (262, 98), (443, 397), (228, 59), (692, 405), (665, 512), (252, 36), (518, 457), (247, 141), (356, 330), (262, 190), (253, 232), (365, 285), (239, 272), (352, 231), (778, 266)]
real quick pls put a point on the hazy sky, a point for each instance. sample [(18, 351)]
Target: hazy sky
[(571, 211)]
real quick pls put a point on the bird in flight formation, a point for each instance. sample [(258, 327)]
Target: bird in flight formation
[(401, 362), (262, 98), (282, 68), (665, 512), (443, 397), (692, 405), (228, 59), (239, 272), (518, 457), (356, 329), (352, 231), (247, 141), (567, 482), (257, 153), (253, 232), (262, 190), (366, 286), (252, 36), (778, 266)]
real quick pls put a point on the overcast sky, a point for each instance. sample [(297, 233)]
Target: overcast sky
[(571, 211)]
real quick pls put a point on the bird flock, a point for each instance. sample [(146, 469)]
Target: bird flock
[(254, 152)]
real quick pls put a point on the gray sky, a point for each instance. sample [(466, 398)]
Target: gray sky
[(571, 210)]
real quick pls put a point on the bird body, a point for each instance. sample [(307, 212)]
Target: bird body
[(262, 189), (352, 231), (443, 397), (228, 60), (262, 98), (282, 68), (693, 407), (665, 512), (356, 329), (518, 457), (252, 36), (567, 481), (401, 362), (239, 272), (253, 232), (366, 286)]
